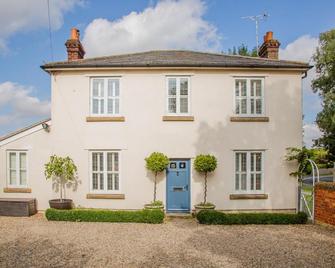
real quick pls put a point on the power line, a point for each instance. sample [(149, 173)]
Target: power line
[(50, 35)]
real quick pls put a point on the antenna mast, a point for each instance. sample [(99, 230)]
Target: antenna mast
[(257, 19)]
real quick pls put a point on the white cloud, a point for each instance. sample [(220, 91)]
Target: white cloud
[(311, 132), (301, 49), (18, 106), (170, 24), (18, 15)]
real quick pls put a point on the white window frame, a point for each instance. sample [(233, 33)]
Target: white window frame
[(17, 168), (105, 97), (248, 190), (178, 113), (105, 172), (248, 97)]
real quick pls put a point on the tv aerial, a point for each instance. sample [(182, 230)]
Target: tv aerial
[(257, 19)]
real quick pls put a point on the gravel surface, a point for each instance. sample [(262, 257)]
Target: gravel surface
[(35, 242)]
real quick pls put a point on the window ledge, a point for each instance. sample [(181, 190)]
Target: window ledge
[(177, 118), (105, 119), (249, 119), (105, 196), (248, 196), (16, 190)]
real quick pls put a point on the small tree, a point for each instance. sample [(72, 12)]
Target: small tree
[(205, 164), (156, 162), (301, 155), (61, 170)]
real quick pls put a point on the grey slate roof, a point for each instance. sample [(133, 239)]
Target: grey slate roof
[(176, 58), (23, 129)]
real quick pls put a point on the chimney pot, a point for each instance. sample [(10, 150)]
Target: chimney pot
[(268, 36), (270, 48), (74, 34), (74, 48)]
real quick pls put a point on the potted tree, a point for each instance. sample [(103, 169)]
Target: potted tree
[(205, 164), (156, 162), (61, 170)]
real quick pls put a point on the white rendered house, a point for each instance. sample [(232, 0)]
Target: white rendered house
[(109, 113)]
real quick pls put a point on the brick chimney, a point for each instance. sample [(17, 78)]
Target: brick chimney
[(74, 48), (270, 48)]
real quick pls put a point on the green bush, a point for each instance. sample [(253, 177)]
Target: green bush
[(216, 217), (100, 215), (205, 163)]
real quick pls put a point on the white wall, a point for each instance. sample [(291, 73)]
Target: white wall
[(143, 105)]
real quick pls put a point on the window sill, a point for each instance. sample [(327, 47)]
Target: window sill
[(249, 119), (16, 190), (247, 196), (177, 118), (105, 196), (105, 119)]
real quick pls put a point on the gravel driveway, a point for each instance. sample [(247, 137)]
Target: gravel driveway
[(35, 242)]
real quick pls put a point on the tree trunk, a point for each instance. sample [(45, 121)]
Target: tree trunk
[(155, 186), (205, 191), (61, 191)]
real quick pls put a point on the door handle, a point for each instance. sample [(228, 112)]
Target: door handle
[(186, 187)]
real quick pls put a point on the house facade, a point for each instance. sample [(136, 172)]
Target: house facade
[(109, 113)]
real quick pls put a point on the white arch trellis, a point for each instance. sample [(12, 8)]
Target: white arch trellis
[(302, 195)]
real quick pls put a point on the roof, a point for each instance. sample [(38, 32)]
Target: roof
[(176, 58), (23, 129)]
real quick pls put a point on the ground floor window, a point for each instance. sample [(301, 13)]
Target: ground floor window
[(17, 168), (249, 171), (105, 171)]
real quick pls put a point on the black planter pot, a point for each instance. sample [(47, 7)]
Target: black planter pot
[(61, 204)]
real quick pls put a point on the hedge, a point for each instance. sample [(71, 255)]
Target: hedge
[(216, 217), (100, 215)]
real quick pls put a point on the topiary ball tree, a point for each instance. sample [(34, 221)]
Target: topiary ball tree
[(61, 170), (205, 164), (156, 162)]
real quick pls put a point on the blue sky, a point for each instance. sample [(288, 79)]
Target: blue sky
[(213, 25)]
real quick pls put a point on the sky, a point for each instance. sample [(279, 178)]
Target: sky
[(121, 26)]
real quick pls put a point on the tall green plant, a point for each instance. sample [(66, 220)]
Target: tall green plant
[(301, 155), (61, 170), (156, 162), (324, 84), (205, 164)]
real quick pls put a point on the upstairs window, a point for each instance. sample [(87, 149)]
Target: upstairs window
[(249, 96), (17, 168), (248, 171), (105, 96), (178, 95)]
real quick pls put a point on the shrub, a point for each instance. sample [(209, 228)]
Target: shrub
[(100, 215), (61, 170), (156, 203), (216, 217), (156, 162), (205, 164)]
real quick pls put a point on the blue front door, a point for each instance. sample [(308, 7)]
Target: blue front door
[(178, 186)]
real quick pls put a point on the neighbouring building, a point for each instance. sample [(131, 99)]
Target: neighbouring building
[(109, 113)]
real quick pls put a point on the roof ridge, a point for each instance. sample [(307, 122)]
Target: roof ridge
[(174, 50)]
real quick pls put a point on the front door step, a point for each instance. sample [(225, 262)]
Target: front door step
[(179, 215)]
